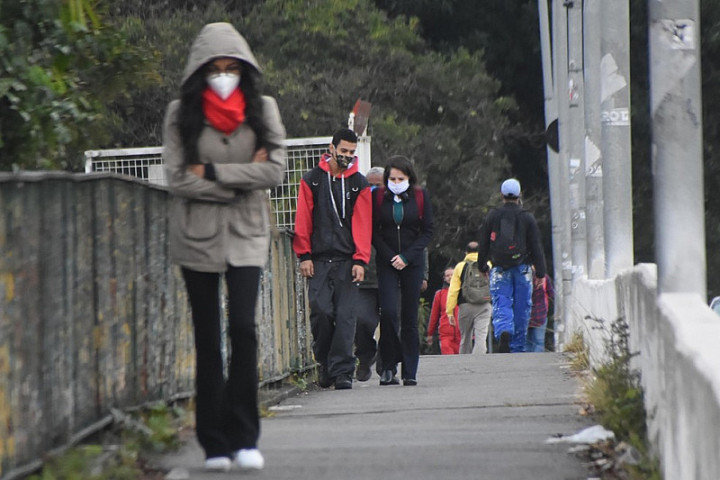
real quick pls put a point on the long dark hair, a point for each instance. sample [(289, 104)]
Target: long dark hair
[(404, 165), (192, 118)]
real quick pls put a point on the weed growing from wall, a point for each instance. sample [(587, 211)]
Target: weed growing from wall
[(119, 452), (617, 396)]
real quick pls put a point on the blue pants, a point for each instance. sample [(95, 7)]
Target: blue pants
[(536, 339), (511, 290)]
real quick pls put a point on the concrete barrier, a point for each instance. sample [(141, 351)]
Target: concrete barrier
[(676, 337), (93, 316)]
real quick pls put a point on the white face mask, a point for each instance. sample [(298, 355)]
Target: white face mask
[(223, 84), (398, 188)]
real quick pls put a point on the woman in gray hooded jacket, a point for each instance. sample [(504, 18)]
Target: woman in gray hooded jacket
[(223, 147)]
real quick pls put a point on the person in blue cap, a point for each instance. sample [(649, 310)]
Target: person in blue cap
[(510, 240)]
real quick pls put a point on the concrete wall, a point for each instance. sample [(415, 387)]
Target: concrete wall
[(93, 316), (676, 336)]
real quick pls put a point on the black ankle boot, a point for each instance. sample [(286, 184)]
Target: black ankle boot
[(388, 378)]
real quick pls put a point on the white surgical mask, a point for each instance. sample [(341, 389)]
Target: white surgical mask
[(223, 84), (398, 188)]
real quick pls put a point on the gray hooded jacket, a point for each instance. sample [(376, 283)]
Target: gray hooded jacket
[(225, 221)]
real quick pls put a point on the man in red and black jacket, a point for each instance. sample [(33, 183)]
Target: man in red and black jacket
[(333, 230)]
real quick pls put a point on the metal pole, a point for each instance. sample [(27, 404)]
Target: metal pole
[(560, 67), (576, 137), (552, 159), (676, 109), (616, 152), (593, 158)]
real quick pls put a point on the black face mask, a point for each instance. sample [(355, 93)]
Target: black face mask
[(343, 161)]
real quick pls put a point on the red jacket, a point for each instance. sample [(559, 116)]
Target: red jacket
[(438, 315), (324, 230)]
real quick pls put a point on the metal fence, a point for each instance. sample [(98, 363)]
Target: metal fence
[(302, 155), (93, 316)]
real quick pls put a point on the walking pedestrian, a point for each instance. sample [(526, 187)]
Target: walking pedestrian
[(402, 228), (510, 239), (448, 334), (543, 292), (470, 291), (369, 309), (333, 228), (223, 146)]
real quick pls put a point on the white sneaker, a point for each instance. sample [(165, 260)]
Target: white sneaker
[(250, 459), (218, 464)]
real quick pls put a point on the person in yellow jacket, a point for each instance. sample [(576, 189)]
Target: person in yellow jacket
[(473, 313)]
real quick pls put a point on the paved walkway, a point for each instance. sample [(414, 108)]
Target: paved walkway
[(470, 417)]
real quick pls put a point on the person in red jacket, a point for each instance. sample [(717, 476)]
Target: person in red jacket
[(333, 230), (449, 334)]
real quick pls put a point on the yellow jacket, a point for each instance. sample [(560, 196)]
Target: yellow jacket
[(456, 283)]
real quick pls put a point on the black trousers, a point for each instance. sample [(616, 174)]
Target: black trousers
[(333, 313), (367, 321), (399, 340), (226, 411)]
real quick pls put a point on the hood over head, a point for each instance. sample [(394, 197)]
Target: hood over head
[(218, 40)]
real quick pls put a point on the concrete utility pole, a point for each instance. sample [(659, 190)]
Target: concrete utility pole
[(551, 116), (676, 109), (616, 152), (576, 136), (560, 69), (593, 157)]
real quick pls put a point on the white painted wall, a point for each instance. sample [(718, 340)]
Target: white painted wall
[(678, 340)]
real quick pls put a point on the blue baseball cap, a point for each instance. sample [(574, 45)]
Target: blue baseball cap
[(510, 188)]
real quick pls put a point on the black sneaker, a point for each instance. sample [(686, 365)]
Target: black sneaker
[(324, 379), (363, 372), (343, 382), (504, 343)]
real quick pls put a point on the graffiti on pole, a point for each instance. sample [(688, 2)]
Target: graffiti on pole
[(617, 117), (681, 34)]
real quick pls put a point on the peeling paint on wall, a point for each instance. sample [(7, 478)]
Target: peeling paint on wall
[(102, 321), (8, 284)]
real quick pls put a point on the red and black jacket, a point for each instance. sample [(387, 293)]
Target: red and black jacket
[(334, 215)]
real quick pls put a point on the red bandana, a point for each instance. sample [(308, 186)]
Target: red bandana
[(225, 115)]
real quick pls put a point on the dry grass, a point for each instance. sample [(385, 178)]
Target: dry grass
[(580, 359)]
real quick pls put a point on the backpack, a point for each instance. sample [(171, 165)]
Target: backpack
[(507, 242), (419, 199), (475, 287)]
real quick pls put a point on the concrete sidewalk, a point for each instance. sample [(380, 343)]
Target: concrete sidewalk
[(470, 417)]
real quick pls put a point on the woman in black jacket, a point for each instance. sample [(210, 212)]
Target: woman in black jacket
[(402, 228)]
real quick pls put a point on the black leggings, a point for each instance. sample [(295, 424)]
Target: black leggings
[(226, 410)]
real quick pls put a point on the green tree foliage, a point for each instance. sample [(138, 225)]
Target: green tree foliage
[(440, 109), (506, 34), (710, 52), (60, 69)]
